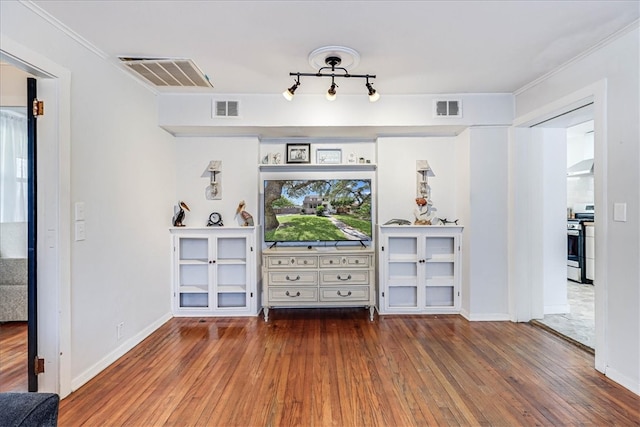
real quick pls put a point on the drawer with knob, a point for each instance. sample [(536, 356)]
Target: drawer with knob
[(294, 278), (292, 294), (345, 294), (333, 261), (346, 277), (292, 261)]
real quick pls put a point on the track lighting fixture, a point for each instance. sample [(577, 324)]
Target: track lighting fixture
[(333, 63)]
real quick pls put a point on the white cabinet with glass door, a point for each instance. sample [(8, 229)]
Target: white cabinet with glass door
[(419, 269), (214, 271)]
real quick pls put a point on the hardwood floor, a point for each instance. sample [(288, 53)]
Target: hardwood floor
[(13, 356), (332, 367)]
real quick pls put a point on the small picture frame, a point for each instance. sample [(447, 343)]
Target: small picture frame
[(328, 156), (298, 153)]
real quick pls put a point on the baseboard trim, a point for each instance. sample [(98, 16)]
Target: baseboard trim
[(485, 317), (120, 351), (623, 380)]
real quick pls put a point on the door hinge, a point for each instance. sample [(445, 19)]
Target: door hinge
[(38, 107), (383, 295), (251, 248), (382, 248), (458, 293), (251, 294), (38, 366)]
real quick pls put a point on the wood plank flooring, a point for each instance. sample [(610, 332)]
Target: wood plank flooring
[(333, 367), (13, 357)]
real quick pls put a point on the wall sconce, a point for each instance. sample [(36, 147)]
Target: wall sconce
[(214, 189), (424, 171)]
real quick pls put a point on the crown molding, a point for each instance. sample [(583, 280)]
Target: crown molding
[(613, 37)]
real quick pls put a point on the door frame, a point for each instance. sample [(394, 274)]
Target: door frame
[(523, 305), (53, 214)]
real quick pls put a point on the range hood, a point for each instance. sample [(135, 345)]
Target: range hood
[(582, 168)]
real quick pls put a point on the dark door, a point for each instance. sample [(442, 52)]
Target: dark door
[(32, 309)]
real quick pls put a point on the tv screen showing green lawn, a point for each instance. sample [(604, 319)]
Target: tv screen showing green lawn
[(317, 210)]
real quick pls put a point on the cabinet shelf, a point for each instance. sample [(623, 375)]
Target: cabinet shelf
[(395, 281), (193, 261), (193, 289), (403, 258), (442, 258), (440, 281), (231, 289), (232, 261)]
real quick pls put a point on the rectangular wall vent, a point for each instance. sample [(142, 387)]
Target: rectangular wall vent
[(167, 72), (447, 108), (226, 109)]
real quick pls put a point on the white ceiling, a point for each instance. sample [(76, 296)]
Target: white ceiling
[(414, 47)]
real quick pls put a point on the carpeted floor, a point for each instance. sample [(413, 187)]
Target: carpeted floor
[(579, 324)]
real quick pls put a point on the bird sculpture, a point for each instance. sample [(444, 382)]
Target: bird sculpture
[(179, 216), (246, 216)]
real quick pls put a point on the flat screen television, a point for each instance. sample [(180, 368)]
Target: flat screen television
[(317, 210)]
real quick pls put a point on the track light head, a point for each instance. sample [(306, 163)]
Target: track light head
[(288, 93), (373, 94), (331, 93)]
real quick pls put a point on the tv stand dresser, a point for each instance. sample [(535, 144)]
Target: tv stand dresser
[(318, 277)]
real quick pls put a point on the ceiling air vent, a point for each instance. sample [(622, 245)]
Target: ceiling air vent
[(167, 72), (225, 109), (447, 108)]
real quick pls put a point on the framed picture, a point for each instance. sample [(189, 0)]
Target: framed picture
[(328, 156), (298, 153)]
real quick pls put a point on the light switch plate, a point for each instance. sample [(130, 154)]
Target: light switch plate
[(79, 211), (620, 212), (80, 231)]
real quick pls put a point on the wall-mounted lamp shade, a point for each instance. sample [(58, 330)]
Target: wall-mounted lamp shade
[(331, 93), (288, 94)]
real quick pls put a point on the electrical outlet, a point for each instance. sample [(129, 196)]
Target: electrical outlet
[(119, 330)]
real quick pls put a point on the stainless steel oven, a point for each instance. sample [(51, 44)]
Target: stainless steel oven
[(576, 259)]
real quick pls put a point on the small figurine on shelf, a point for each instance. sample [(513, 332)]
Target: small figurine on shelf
[(422, 212), (246, 216), (179, 215)]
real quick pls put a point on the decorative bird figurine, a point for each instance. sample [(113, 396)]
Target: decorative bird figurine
[(179, 216), (246, 216)]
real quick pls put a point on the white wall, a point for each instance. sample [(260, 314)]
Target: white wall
[(122, 167), (397, 176), (484, 195), (618, 248), (550, 205), (239, 177)]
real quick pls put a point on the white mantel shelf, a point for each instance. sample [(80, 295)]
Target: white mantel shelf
[(317, 167)]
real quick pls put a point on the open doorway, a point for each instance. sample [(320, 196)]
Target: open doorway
[(577, 321)]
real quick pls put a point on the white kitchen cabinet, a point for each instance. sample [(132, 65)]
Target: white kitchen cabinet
[(318, 277), (214, 271), (589, 250), (419, 269)]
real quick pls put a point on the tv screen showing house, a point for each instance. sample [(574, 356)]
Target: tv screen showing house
[(317, 210)]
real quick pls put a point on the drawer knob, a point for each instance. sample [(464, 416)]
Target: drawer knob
[(296, 295), (357, 261), (293, 280), (279, 261), (330, 261), (346, 278), (340, 294)]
